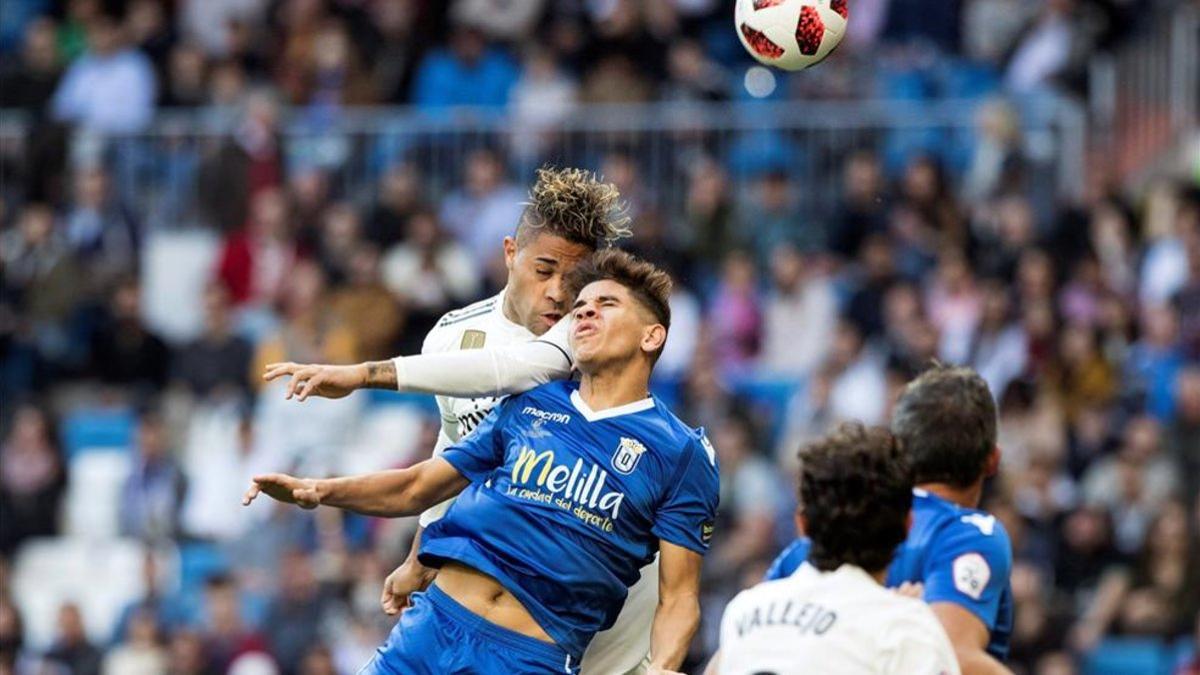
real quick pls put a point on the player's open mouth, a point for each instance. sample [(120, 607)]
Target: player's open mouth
[(551, 317)]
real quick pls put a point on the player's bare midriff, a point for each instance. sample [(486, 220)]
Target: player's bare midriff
[(484, 596)]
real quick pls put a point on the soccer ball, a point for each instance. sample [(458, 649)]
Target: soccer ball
[(790, 34)]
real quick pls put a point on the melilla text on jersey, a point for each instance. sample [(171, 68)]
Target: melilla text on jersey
[(537, 478)]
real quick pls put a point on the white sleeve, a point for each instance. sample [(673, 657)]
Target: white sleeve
[(921, 648), (499, 371), (435, 512)]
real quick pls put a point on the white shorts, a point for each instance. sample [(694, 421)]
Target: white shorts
[(624, 648)]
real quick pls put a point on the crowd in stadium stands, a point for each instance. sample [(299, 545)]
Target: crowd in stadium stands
[(1084, 317)]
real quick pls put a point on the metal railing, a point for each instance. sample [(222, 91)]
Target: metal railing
[(157, 171), (1145, 96)]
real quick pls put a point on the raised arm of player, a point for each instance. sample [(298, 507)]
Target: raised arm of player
[(678, 613), (389, 494), (497, 371)]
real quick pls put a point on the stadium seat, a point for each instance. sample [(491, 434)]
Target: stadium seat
[(198, 561), (91, 429), (94, 493), (1128, 656), (102, 576)]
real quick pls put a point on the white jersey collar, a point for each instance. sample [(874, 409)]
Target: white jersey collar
[(608, 413)]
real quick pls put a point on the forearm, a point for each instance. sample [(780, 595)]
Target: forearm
[(387, 494), (975, 661), (675, 622), (481, 372), (379, 375)]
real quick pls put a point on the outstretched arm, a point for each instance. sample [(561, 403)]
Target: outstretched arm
[(401, 492), (503, 370), (678, 613)]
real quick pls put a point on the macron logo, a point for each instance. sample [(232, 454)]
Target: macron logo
[(561, 418)]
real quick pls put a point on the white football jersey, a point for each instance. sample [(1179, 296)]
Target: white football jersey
[(836, 623), (622, 648)]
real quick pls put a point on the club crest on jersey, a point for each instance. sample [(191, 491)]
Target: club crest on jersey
[(628, 453)]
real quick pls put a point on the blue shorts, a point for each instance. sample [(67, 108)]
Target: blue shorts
[(438, 636)]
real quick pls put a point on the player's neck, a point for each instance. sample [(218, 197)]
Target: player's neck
[(611, 388), (968, 496)]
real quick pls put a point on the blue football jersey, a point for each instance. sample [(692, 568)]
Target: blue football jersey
[(566, 505), (961, 555)]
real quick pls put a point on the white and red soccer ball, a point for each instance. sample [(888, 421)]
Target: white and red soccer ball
[(790, 34)]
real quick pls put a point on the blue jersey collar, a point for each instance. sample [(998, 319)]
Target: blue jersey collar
[(593, 416)]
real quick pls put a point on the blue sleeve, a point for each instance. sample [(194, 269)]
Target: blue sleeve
[(686, 517), (787, 562), (969, 566), (478, 453)]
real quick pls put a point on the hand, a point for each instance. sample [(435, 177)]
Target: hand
[(303, 492), (910, 589), (318, 380), (410, 577)]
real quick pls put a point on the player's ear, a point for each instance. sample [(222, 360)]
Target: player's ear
[(510, 252), (653, 338), (801, 523), (992, 466)]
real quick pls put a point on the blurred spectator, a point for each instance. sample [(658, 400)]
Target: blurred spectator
[(13, 655), (1079, 374), (296, 618), (399, 197), (71, 648), (111, 88), (185, 84), (99, 229), (32, 479), (153, 494), (1047, 49), (154, 604), (1186, 302), (541, 99), (799, 315), (709, 213), (367, 306), (430, 272), (28, 81), (467, 73), (997, 166), (486, 208), (215, 365), (328, 74), (926, 189), (256, 261), (954, 304), (317, 661), (340, 239), (861, 209), (208, 22), (248, 163), (140, 653), (736, 339), (997, 347), (857, 385), (225, 636), (1183, 437), (148, 28), (186, 655), (310, 333), (1154, 362), (1134, 484), (772, 218), (874, 276), (499, 19), (124, 351), (693, 76)]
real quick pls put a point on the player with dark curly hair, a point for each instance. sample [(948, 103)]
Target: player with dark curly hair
[(946, 421), (834, 615)]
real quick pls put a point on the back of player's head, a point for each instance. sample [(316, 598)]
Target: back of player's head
[(946, 419), (855, 497), (576, 205)]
